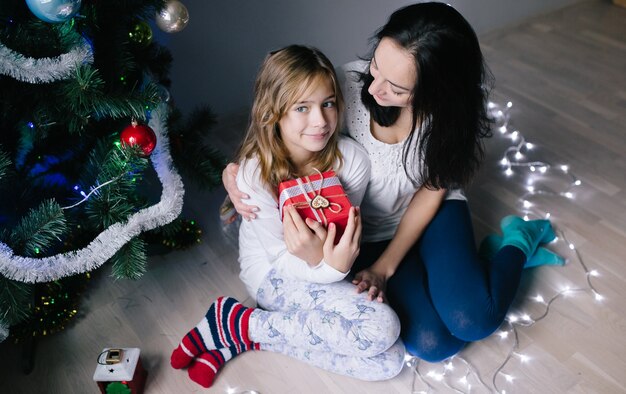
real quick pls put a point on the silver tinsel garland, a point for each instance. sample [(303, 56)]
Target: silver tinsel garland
[(4, 331), (107, 243), (44, 70)]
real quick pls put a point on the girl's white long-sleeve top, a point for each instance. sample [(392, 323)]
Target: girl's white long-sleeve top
[(261, 242)]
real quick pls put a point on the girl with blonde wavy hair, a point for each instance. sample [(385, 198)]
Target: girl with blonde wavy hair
[(306, 309)]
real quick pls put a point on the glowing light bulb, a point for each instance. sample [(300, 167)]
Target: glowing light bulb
[(508, 172), (543, 169), (508, 378), (502, 129), (437, 376), (518, 155), (539, 298), (526, 317), (599, 297), (594, 273), (491, 104), (463, 380), (564, 168), (571, 246), (526, 218), (524, 358), (548, 215), (504, 161), (532, 168), (503, 334), (529, 146), (514, 135), (531, 189), (512, 318), (449, 367), (509, 104), (577, 183), (527, 204), (500, 113), (568, 195)]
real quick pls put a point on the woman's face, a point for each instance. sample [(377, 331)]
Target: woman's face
[(394, 72), (308, 124)]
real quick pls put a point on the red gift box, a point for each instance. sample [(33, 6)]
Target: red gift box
[(320, 197)]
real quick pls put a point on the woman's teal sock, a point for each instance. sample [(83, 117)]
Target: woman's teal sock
[(526, 235), (542, 256)]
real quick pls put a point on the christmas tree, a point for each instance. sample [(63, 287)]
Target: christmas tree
[(87, 128)]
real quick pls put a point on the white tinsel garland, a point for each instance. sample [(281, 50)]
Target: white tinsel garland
[(28, 69), (107, 243)]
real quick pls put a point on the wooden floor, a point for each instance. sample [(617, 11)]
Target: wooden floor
[(565, 74)]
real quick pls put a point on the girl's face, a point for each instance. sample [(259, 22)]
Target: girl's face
[(308, 124), (394, 72)]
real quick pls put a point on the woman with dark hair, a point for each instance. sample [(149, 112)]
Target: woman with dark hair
[(417, 105)]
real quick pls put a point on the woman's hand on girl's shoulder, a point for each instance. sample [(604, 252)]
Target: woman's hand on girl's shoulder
[(229, 179)]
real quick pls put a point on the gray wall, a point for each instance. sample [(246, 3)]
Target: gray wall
[(217, 55)]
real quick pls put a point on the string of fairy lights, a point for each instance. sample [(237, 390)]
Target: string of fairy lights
[(459, 375)]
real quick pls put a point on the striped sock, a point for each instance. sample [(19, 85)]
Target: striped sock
[(225, 324), (204, 368)]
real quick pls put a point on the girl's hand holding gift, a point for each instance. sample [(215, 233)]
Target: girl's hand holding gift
[(342, 255), (311, 242), (300, 241)]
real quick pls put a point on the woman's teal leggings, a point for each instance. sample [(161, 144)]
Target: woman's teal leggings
[(444, 294)]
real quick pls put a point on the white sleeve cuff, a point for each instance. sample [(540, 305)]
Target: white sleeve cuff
[(329, 273)]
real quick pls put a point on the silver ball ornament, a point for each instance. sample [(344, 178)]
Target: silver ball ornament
[(173, 17), (54, 11)]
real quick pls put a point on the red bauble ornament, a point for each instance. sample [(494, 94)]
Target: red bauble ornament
[(141, 135)]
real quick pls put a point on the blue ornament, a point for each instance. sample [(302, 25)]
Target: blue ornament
[(54, 11)]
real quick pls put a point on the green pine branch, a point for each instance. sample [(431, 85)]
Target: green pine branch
[(117, 200), (199, 162), (87, 98), (131, 260), (206, 171), (159, 61), (38, 230), (15, 298), (169, 230)]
